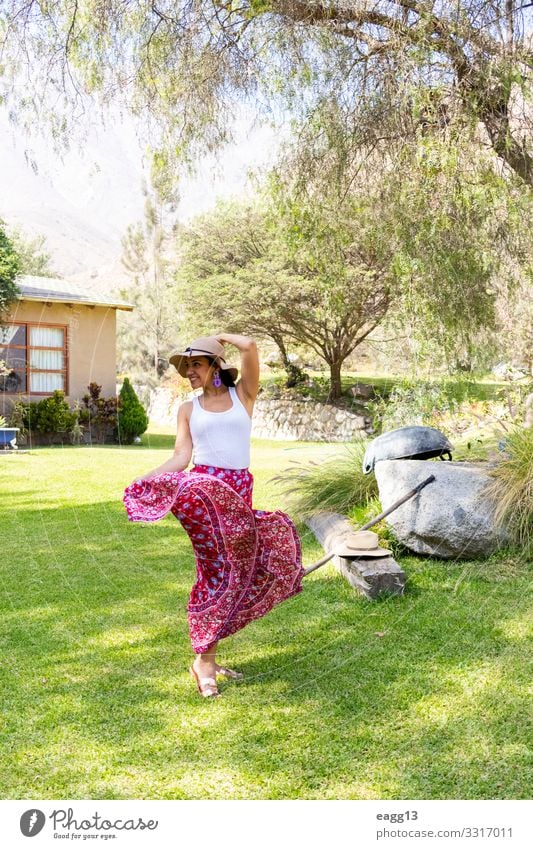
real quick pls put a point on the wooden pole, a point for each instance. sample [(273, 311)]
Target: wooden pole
[(418, 488), (398, 503)]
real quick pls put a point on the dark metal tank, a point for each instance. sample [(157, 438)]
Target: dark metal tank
[(417, 442)]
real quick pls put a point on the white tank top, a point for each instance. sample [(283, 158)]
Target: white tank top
[(221, 439)]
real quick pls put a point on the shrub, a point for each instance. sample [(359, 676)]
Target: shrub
[(32, 415), (53, 414), (18, 416), (511, 488), (99, 414), (132, 418), (24, 416), (295, 376), (336, 486), (49, 416)]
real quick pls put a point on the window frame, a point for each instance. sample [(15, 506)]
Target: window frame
[(27, 348)]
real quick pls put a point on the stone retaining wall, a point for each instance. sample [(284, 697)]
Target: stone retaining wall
[(277, 418), (306, 420)]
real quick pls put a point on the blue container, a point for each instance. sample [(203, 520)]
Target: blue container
[(8, 435)]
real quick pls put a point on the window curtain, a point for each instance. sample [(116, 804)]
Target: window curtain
[(46, 337)]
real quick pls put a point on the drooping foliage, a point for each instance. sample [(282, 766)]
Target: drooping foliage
[(397, 65), (342, 239)]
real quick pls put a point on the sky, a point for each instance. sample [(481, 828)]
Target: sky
[(83, 200)]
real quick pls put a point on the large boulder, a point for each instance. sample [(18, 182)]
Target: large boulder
[(450, 517)]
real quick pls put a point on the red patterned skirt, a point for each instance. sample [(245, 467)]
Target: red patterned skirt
[(247, 561)]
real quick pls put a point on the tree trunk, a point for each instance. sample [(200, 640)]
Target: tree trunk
[(294, 373), (283, 352), (506, 146), (492, 109), (335, 379)]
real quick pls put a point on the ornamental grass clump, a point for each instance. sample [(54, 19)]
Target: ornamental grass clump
[(511, 488), (336, 486)]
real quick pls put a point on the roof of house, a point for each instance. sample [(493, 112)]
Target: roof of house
[(61, 291)]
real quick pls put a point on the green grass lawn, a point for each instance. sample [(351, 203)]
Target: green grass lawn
[(420, 696)]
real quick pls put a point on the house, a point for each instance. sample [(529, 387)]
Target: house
[(57, 335)]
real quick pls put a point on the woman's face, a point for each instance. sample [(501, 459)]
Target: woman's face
[(199, 372)]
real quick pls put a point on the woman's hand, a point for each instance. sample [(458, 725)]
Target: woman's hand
[(242, 343), (182, 450)]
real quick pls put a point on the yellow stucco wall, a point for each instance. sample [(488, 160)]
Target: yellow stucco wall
[(91, 344)]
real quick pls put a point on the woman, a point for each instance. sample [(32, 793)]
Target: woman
[(247, 560)]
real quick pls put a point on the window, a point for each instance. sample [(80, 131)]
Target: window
[(33, 358)]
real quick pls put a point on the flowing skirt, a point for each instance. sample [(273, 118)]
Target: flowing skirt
[(247, 561)]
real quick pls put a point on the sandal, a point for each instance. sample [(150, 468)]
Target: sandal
[(207, 687), (229, 673)]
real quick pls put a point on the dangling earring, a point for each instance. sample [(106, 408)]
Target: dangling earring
[(217, 383)]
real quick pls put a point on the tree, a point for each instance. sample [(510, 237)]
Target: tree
[(452, 224), (290, 272), (146, 334), (187, 63), (425, 238), (132, 419), (473, 53), (9, 270)]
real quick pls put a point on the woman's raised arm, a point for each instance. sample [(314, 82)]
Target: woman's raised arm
[(249, 362)]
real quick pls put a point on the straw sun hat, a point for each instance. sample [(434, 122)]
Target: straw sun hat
[(360, 544), (204, 346)]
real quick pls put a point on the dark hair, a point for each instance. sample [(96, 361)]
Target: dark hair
[(225, 376)]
